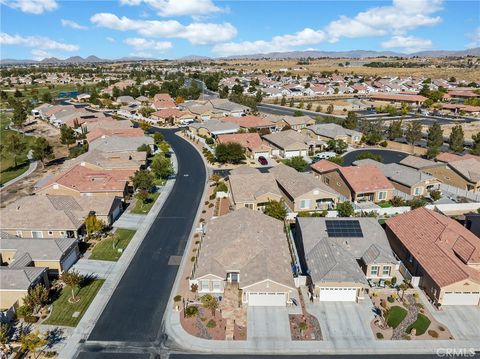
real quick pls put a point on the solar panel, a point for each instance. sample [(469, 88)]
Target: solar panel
[(349, 228)]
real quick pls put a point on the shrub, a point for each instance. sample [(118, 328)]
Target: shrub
[(442, 329), (191, 311), (210, 205), (194, 288), (23, 311), (30, 319), (390, 299), (212, 196), (379, 336), (192, 259), (433, 333), (50, 354), (211, 324), (209, 141), (177, 298), (384, 144)]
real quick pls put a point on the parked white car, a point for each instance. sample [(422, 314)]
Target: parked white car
[(325, 155)]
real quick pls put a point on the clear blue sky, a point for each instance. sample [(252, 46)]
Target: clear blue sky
[(174, 28)]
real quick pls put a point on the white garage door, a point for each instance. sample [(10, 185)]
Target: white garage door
[(290, 154), (69, 260), (461, 298), (338, 294), (266, 299)]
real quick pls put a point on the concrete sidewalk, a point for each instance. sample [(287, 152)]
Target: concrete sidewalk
[(31, 168), (83, 329), (97, 268)]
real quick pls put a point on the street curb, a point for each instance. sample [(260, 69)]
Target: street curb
[(99, 303)]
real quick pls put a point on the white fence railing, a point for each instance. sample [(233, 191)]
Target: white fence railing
[(460, 192)]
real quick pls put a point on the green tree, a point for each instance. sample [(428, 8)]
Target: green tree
[(42, 150), (283, 102), (14, 145), (338, 146), (32, 341), (17, 93), (435, 136), (351, 121), (476, 144), (369, 155), (432, 152), (36, 297), (146, 111), (47, 97), (142, 196), (164, 147), (394, 130), (210, 302), (345, 209), (457, 139), (229, 153), (413, 133), (19, 115), (4, 334), (158, 138), (73, 279), (291, 103), (330, 109), (297, 163), (161, 166), (372, 132), (142, 180), (276, 209), (67, 136), (93, 224)]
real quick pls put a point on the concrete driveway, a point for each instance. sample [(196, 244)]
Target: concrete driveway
[(97, 268), (268, 323), (346, 324), (129, 220), (462, 320)]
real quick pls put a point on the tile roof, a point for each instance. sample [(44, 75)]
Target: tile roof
[(251, 141), (109, 160), (19, 278), (332, 130), (451, 157), (289, 139), (248, 121), (365, 178), (331, 259), (323, 166), (417, 162), (168, 113), (108, 132), (39, 249), (244, 169), (445, 249), (248, 187), (120, 144), (468, 168), (216, 127), (247, 241)]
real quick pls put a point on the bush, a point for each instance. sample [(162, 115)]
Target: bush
[(433, 333), (379, 336), (50, 354), (211, 324), (391, 299), (209, 141), (30, 319), (210, 205), (177, 298), (442, 329), (191, 311), (192, 259), (384, 144), (23, 311)]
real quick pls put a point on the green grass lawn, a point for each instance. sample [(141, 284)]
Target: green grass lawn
[(395, 316), (104, 250), (62, 311), (141, 208), (421, 325), (385, 204), (8, 171)]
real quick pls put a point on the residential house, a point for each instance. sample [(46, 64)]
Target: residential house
[(341, 256), (120, 144), (289, 143), (253, 190), (443, 254), (15, 282), (413, 99), (303, 192), (332, 131), (168, 116), (162, 101), (254, 147), (298, 122), (46, 216), (109, 132), (356, 183), (98, 160), (405, 179), (249, 122), (226, 107), (247, 249), (213, 128), (469, 170)]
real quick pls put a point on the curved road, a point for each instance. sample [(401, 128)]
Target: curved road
[(134, 312), (389, 156)]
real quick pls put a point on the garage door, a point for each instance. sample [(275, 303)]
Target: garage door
[(338, 294), (266, 299), (461, 298), (290, 154), (69, 260)]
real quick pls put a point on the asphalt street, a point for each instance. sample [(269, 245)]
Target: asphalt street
[(389, 156), (135, 310)]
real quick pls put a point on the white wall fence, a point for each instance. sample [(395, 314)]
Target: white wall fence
[(460, 192)]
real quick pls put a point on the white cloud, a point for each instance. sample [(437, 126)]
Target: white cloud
[(475, 37), (171, 8), (196, 33), (139, 43), (395, 19), (72, 24), (110, 39), (35, 41), (407, 43), (31, 6), (40, 54)]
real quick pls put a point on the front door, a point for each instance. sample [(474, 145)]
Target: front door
[(233, 277)]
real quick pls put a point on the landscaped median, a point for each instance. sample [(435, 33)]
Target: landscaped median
[(69, 313), (111, 248)]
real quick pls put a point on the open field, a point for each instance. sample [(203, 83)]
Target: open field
[(317, 66)]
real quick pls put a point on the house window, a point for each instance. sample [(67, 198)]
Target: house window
[(204, 285), (19, 234), (304, 203), (327, 180), (418, 191), (216, 286), (37, 234), (249, 205), (386, 271), (374, 271), (382, 195)]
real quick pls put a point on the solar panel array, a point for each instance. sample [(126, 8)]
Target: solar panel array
[(349, 228)]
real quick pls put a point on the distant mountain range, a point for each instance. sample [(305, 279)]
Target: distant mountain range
[(273, 55)]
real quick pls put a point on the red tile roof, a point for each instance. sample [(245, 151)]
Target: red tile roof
[(442, 246), (247, 140), (248, 121), (323, 166), (365, 178), (451, 157), (168, 113)]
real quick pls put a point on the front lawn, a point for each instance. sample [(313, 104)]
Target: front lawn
[(144, 208), (395, 316), (63, 310), (385, 204), (106, 251), (421, 325)]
